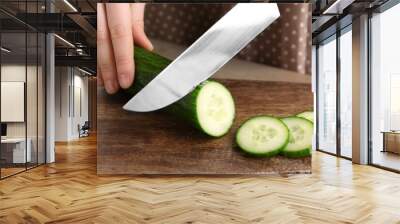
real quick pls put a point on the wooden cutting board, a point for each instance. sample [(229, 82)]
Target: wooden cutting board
[(157, 143)]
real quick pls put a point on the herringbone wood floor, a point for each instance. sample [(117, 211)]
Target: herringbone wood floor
[(70, 192)]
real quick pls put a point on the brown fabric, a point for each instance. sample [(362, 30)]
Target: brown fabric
[(285, 44)]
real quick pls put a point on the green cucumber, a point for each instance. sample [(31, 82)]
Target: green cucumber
[(300, 141), (209, 107), (309, 115), (262, 136)]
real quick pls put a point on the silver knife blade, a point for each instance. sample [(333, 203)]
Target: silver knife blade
[(205, 56)]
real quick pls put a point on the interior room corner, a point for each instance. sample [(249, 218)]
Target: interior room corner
[(69, 153)]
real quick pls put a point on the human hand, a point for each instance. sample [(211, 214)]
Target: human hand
[(119, 27)]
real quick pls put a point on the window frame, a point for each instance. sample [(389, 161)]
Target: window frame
[(335, 36)]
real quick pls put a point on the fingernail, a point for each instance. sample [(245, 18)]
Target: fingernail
[(125, 80), (110, 86), (151, 46)]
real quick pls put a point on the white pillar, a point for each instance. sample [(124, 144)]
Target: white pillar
[(50, 98), (360, 90)]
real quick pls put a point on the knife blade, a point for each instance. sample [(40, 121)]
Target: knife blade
[(205, 56)]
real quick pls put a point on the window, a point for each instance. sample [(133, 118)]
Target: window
[(394, 102), (327, 95), (22, 78), (334, 106), (385, 89), (346, 93)]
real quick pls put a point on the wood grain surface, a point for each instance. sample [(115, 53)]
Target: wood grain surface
[(158, 143), (70, 192)]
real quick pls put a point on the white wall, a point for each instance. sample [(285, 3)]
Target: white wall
[(71, 93), (62, 81), (81, 102), (33, 126), (12, 100), (12, 73)]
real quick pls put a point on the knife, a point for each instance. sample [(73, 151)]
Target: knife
[(205, 56)]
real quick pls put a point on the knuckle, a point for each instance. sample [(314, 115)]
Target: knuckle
[(107, 76), (118, 31), (102, 36), (123, 60), (138, 24), (106, 68)]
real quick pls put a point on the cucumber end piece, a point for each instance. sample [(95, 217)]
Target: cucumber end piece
[(215, 109)]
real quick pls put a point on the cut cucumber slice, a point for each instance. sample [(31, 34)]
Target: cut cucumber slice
[(300, 141), (262, 136), (309, 115)]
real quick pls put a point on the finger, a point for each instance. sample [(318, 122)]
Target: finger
[(122, 42), (105, 55), (139, 35), (98, 76)]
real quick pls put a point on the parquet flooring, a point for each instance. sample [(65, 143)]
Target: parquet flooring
[(69, 191)]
